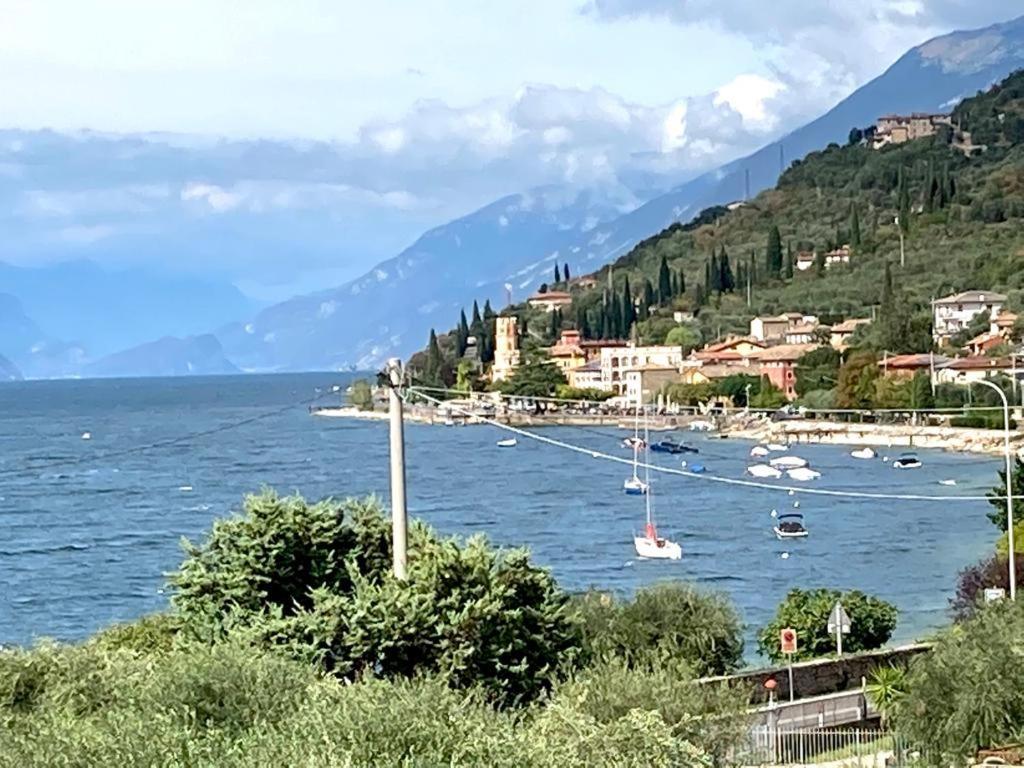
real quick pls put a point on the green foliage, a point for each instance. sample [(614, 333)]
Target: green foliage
[(997, 496), (315, 581), (767, 396), (684, 336), (971, 583), (234, 707), (362, 395), (855, 387), (887, 684), (967, 693), (872, 621), (535, 377), (153, 634), (688, 394), (735, 387), (665, 623), (773, 253), (818, 369), (575, 393)]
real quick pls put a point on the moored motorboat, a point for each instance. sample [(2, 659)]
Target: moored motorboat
[(764, 470), (790, 526), (759, 451), (788, 462), (671, 446), (634, 486), (863, 453), (907, 461), (803, 474), (776, 447), (507, 443)]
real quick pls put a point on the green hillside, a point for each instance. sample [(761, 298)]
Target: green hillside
[(963, 220)]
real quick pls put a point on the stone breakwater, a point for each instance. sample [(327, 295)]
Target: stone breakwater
[(988, 441)]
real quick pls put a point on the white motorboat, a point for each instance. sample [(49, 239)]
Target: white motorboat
[(701, 426), (649, 544), (788, 462), (790, 526), (764, 470), (758, 451), (803, 474), (508, 443), (776, 447), (863, 453), (907, 461), (87, 435), (947, 482)]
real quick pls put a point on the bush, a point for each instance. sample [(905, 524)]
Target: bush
[(972, 582), (302, 578), (234, 707), (665, 623), (872, 622), (968, 692)]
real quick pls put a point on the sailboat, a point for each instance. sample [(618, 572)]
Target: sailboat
[(648, 544), (634, 486)]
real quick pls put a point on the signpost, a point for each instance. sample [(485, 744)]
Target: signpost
[(838, 623), (993, 594), (787, 644)]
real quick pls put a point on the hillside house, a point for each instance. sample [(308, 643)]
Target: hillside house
[(643, 384), (587, 376), (735, 350), (779, 365), (840, 333), (905, 366), (616, 361), (805, 260), (965, 370), (550, 301), (897, 129), (772, 330), (952, 314), (567, 353), (803, 333)]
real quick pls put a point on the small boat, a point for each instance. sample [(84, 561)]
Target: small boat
[(759, 451), (764, 470), (633, 443), (449, 422), (649, 544), (87, 435), (671, 446), (863, 453), (634, 486), (788, 462), (508, 443), (696, 468), (907, 461), (776, 447), (803, 473), (790, 526), (185, 488), (947, 482), (701, 426)]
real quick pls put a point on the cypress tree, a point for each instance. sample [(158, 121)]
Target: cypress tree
[(664, 282), (707, 277), (432, 367), (699, 296), (556, 326), (928, 190), (773, 253), (854, 226), (903, 197), (887, 302), (648, 294), (628, 310), (788, 274), (565, 271), (615, 318), (715, 275), (558, 275), (682, 282), (488, 312), (819, 264), (476, 318), (462, 335), (727, 279)]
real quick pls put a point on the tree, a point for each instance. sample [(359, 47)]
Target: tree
[(820, 265), (535, 377), (767, 395), (773, 253), (855, 387), (489, 314), (315, 582), (628, 310), (565, 272), (991, 573), (664, 282), (789, 262), (818, 369), (855, 136), (462, 335), (477, 322), (466, 379), (997, 496), (362, 395), (432, 368), (872, 621), (558, 275), (683, 336), (714, 275), (727, 280), (854, 226), (903, 202), (735, 388), (681, 282)]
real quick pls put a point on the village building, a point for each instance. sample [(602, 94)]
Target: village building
[(1003, 323), (735, 350), (952, 314), (905, 366), (506, 347), (644, 383), (897, 129), (587, 376), (707, 374), (837, 256), (615, 361), (772, 330), (965, 370), (803, 333), (568, 353), (805, 260), (840, 333), (778, 364), (550, 301)]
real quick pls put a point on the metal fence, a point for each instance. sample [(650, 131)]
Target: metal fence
[(839, 747)]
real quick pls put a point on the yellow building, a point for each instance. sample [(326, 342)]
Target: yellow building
[(568, 353), (506, 348)]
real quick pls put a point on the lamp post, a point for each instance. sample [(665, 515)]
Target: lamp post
[(1009, 487)]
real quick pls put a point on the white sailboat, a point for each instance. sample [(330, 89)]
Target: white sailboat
[(634, 486), (648, 544)]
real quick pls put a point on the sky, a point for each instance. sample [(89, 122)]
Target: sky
[(412, 112)]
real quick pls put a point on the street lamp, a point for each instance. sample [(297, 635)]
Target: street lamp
[(1009, 486)]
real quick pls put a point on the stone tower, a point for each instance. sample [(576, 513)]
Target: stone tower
[(506, 348)]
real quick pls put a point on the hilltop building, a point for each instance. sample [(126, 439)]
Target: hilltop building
[(952, 314), (550, 301), (897, 129), (506, 347)]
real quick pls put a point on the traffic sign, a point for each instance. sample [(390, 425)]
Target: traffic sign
[(838, 619), (992, 594), (787, 641)]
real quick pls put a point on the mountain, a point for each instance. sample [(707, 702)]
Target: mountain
[(8, 370), (104, 310), (390, 309), (385, 312), (192, 356)]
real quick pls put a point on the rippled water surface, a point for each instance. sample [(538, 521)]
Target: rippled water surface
[(85, 540)]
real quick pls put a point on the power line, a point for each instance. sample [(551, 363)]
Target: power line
[(705, 476)]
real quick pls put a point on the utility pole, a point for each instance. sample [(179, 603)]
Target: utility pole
[(1008, 455), (399, 515)]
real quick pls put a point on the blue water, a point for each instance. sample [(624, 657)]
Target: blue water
[(85, 540)]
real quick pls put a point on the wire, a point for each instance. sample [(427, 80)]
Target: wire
[(165, 443), (704, 476)]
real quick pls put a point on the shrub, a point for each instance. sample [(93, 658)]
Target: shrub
[(972, 582), (968, 692), (304, 579), (664, 623), (872, 621)]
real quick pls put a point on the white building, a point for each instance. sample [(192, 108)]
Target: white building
[(615, 361), (953, 314)]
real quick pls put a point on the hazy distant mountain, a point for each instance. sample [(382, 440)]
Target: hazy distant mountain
[(192, 356), (389, 310), (105, 310), (8, 370)]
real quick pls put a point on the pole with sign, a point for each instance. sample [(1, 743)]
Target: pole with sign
[(839, 623), (787, 644)]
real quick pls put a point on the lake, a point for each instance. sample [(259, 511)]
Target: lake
[(86, 537)]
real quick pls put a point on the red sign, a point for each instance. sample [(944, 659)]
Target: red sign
[(787, 641)]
